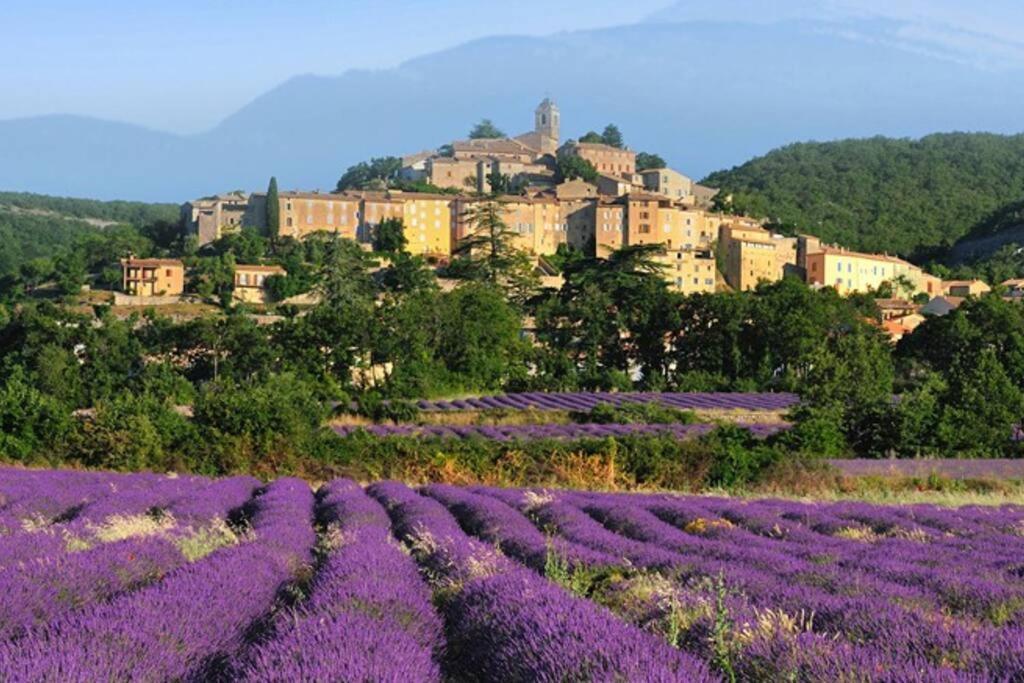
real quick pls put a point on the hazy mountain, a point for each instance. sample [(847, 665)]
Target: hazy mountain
[(703, 94)]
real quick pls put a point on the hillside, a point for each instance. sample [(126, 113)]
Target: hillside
[(883, 194), (38, 226), (702, 94)]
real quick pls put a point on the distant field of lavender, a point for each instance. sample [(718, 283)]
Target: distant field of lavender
[(586, 400), (992, 468), (546, 431)]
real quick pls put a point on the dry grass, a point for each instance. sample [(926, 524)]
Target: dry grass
[(120, 527), (201, 542)]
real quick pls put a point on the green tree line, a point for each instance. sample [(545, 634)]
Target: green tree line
[(882, 194)]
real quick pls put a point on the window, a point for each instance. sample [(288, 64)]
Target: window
[(309, 220), (840, 265), (289, 206), (289, 221), (849, 267), (167, 272)]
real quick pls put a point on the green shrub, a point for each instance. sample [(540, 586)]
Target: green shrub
[(31, 422)]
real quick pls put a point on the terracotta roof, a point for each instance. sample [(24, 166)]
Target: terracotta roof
[(894, 303), (499, 145), (645, 197), (895, 328), (963, 283), (325, 196), (603, 147), (152, 262), (835, 251), (258, 268)]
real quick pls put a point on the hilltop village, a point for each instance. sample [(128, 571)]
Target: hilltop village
[(592, 195)]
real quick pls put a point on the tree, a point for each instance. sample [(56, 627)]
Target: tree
[(344, 275), (611, 315), (273, 210), (406, 274), (484, 130), (850, 382), (488, 252), (379, 171), (34, 272), (646, 161), (70, 272), (29, 419), (571, 167), (479, 336), (389, 236), (981, 408), (213, 277), (592, 136), (612, 136), (499, 183)]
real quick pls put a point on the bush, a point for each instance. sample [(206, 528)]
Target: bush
[(738, 458), (132, 433), (278, 408), (373, 407), (31, 422), (728, 457)]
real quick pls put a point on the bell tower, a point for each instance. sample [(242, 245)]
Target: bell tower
[(545, 120)]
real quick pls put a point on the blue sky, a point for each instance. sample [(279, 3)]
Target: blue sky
[(182, 66)]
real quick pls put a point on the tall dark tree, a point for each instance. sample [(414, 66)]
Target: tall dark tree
[(377, 172), (646, 161), (484, 130), (612, 136), (273, 210), (489, 253), (571, 167), (389, 236)]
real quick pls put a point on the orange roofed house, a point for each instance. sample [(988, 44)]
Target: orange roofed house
[(152, 276)]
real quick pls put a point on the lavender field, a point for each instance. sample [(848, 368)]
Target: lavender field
[(547, 431), (583, 401), (149, 577)]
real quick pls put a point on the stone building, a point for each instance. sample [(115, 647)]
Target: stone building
[(250, 282), (613, 161), (210, 218), (668, 183)]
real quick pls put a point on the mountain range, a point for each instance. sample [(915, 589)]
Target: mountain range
[(704, 84)]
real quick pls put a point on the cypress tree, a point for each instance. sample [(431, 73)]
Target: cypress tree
[(273, 210)]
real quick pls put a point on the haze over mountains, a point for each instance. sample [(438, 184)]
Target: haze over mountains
[(705, 84)]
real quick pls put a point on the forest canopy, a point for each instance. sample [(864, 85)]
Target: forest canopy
[(882, 194)]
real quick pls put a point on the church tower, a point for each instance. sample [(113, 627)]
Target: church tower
[(545, 120)]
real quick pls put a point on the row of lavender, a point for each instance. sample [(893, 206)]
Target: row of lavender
[(774, 590), (547, 431), (585, 401), (528, 585)]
